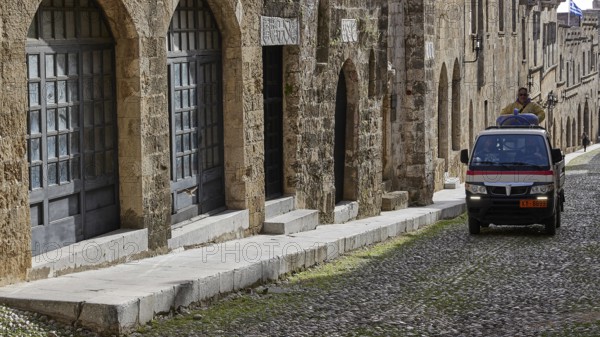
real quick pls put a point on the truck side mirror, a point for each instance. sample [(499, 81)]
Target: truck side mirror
[(556, 156), (464, 156)]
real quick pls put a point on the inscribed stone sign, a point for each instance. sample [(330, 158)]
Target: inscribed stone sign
[(279, 31), (349, 30)]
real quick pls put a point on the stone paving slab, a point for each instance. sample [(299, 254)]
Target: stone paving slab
[(119, 298)]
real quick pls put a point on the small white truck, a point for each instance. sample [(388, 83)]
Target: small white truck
[(514, 177)]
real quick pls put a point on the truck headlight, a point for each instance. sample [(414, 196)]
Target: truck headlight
[(476, 189), (542, 189)]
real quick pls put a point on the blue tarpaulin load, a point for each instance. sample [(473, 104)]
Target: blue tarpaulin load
[(524, 119)]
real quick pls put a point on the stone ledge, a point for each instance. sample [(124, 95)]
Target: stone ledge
[(395, 200)]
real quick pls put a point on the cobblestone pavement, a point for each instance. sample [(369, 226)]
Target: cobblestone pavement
[(508, 281), (441, 281)]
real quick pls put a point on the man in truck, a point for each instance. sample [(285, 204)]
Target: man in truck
[(524, 105)]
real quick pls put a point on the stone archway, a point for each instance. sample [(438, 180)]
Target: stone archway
[(456, 108), (471, 125), (443, 119), (346, 137), (235, 85), (441, 161)]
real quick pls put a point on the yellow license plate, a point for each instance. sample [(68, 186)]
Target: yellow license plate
[(533, 203)]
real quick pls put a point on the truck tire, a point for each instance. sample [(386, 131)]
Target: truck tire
[(550, 224), (558, 211), (474, 226)]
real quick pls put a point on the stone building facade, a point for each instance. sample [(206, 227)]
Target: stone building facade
[(122, 116)]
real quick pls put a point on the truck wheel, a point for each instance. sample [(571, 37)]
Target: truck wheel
[(474, 226), (558, 211), (550, 224)]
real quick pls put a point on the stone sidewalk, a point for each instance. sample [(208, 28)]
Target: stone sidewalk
[(119, 298)]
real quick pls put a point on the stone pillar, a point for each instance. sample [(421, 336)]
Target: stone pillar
[(15, 227)]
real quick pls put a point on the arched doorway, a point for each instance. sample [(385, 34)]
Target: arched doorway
[(456, 109), (471, 125), (72, 129), (339, 150), (443, 117), (569, 138), (196, 111), (273, 116), (586, 118)]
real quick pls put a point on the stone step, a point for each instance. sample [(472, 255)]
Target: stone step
[(300, 220), (227, 225), (393, 201), (111, 248), (278, 207), (451, 183), (345, 211)]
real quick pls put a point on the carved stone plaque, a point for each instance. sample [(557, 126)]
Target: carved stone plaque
[(349, 30), (279, 31)]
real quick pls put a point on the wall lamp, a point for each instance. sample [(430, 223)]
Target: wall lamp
[(529, 82), (477, 45), (551, 100)]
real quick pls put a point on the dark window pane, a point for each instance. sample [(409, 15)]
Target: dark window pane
[(50, 92), (73, 91), (34, 122), (52, 172), (51, 147), (64, 171), (35, 151), (61, 64), (74, 114), (33, 66), (36, 177), (51, 120), (34, 94), (179, 168), (63, 149), (62, 119), (74, 143), (75, 168), (73, 64)]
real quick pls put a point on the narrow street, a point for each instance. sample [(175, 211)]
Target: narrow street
[(508, 281)]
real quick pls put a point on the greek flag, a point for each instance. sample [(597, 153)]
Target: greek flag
[(574, 9)]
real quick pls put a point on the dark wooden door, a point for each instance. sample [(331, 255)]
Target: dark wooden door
[(71, 121), (196, 112), (273, 107), (339, 150)]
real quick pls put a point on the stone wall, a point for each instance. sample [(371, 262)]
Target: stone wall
[(15, 234), (139, 30)]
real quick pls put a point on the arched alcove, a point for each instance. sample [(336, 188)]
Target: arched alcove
[(443, 121), (456, 108)]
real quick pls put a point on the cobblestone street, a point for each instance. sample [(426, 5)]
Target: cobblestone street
[(440, 281), (508, 281)]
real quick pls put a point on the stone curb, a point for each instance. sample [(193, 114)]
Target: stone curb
[(119, 298)]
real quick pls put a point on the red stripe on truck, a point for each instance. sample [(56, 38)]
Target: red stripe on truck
[(535, 173)]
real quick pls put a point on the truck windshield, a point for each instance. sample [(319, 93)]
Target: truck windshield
[(498, 152)]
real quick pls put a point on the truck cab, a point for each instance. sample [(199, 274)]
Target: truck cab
[(514, 177)]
